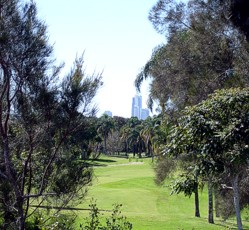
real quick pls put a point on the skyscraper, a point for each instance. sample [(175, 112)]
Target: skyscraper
[(137, 110), (145, 113)]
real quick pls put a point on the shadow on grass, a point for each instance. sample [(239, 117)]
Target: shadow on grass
[(67, 208), (104, 160), (119, 156), (99, 162), (227, 224), (231, 226)]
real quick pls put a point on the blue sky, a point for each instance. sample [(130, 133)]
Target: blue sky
[(115, 35)]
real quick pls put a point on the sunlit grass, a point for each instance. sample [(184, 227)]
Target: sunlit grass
[(131, 182)]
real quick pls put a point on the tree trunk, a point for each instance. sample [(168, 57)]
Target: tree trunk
[(13, 183), (210, 202), (126, 148), (105, 138), (139, 151), (236, 201), (21, 219), (134, 150), (196, 192), (8, 216), (197, 208), (216, 203), (149, 149)]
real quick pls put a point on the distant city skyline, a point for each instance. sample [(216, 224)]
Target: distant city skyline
[(137, 109)]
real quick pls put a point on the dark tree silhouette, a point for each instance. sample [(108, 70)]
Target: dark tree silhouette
[(240, 16)]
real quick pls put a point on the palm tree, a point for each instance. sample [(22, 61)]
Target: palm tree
[(149, 132), (130, 134), (124, 132), (135, 140)]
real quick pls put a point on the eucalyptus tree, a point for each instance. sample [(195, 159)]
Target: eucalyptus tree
[(40, 118)]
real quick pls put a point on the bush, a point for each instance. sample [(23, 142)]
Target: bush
[(51, 221), (115, 222)]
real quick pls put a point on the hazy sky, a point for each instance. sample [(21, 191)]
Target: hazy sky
[(116, 36)]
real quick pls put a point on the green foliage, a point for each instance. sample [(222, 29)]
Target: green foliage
[(184, 184), (115, 222), (45, 123), (164, 168), (216, 133), (203, 52), (55, 221), (105, 126)]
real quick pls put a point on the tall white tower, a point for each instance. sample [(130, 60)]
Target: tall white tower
[(136, 110)]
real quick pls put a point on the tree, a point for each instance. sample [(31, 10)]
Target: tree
[(115, 142), (216, 130), (239, 15), (134, 137), (124, 133), (187, 185), (40, 118), (203, 53), (148, 132), (105, 127), (199, 57)]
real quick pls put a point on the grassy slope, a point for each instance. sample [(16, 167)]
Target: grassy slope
[(146, 206)]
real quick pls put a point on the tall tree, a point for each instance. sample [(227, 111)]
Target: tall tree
[(39, 118), (105, 127), (216, 130), (150, 133), (115, 141), (203, 53)]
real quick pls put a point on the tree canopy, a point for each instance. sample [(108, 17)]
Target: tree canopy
[(41, 118), (216, 132), (203, 52)]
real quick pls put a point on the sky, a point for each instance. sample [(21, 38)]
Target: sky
[(116, 37)]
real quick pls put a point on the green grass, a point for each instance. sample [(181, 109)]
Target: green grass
[(147, 206)]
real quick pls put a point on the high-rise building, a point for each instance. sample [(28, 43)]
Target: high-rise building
[(145, 114), (109, 113), (137, 110)]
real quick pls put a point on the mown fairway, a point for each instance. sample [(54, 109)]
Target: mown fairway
[(147, 206)]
